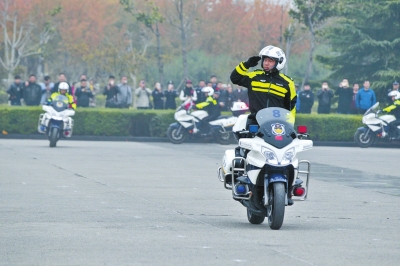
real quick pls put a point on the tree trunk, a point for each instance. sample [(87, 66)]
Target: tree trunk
[(288, 40), (183, 39), (311, 53), (159, 59)]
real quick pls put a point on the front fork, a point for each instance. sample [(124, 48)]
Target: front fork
[(274, 179)]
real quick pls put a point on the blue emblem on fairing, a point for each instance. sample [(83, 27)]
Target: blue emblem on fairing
[(278, 129)]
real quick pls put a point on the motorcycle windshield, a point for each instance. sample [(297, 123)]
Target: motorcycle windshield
[(60, 103), (373, 109), (276, 126)]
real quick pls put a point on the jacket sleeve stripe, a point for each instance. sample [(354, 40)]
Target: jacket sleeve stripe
[(241, 69), (291, 86)]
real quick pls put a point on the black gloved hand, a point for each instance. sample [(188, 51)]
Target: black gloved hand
[(252, 61)]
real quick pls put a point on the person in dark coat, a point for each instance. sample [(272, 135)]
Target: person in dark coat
[(32, 92), (158, 97), (170, 95), (15, 91), (83, 93), (345, 97), (61, 78), (241, 95), (230, 96), (111, 91), (201, 97), (325, 95), (306, 97)]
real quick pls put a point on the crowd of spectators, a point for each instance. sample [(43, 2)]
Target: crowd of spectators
[(121, 95), (351, 99)]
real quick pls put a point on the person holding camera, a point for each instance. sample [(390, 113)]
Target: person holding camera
[(111, 91), (83, 93), (325, 95), (143, 96), (345, 97)]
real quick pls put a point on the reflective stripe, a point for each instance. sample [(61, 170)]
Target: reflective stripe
[(259, 84), (291, 86), (241, 69), (268, 90)]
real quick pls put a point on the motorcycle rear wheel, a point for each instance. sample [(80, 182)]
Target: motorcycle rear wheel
[(276, 207), (254, 219), (53, 137), (223, 137), (176, 135), (364, 139)]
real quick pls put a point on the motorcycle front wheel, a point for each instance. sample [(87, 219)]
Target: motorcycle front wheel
[(276, 207), (53, 136), (176, 135), (364, 139), (254, 219)]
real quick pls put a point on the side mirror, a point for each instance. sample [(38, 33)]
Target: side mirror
[(302, 129)]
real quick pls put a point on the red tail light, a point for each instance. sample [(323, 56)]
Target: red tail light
[(66, 133), (299, 191), (302, 129)]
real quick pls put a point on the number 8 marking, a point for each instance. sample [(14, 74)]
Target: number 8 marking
[(276, 113)]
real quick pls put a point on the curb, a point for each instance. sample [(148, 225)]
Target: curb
[(165, 139)]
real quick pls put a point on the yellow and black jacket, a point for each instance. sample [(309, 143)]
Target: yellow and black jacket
[(211, 106), (69, 96), (394, 109), (266, 89)]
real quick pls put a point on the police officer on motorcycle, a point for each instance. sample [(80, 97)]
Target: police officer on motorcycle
[(211, 106), (394, 109), (63, 90), (267, 87)]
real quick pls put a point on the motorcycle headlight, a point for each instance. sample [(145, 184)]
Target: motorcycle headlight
[(269, 156), (288, 156)]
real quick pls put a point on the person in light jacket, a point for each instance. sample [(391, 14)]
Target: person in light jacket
[(142, 96), (124, 94)]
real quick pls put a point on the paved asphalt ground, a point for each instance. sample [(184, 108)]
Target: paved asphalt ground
[(132, 203)]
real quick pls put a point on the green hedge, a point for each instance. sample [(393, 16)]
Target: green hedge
[(128, 122)]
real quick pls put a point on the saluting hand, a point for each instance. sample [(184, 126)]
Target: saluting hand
[(252, 61)]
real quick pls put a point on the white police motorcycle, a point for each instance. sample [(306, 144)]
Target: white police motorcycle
[(188, 124), (263, 171), (57, 121)]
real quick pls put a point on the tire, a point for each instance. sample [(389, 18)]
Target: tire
[(53, 136), (175, 137), (364, 139), (254, 219), (223, 137), (276, 207)]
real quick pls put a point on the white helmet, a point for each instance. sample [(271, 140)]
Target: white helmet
[(208, 90), (63, 86), (396, 94), (275, 53)]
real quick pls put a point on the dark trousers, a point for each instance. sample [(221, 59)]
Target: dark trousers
[(324, 109)]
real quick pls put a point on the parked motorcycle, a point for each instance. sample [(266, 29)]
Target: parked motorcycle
[(189, 121), (377, 126), (56, 122), (263, 170)]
